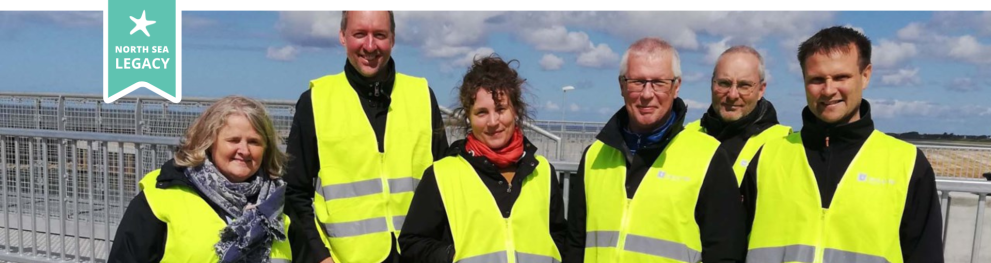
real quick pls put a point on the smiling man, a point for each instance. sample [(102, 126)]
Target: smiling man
[(739, 117), (647, 190), (360, 141), (840, 190)]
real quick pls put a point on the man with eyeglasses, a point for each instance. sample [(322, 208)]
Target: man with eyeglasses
[(739, 116), (647, 190)]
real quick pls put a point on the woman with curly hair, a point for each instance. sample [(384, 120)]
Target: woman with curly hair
[(492, 198)]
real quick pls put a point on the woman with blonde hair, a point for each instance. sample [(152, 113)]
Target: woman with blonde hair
[(219, 200)]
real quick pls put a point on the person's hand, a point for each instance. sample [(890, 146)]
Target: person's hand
[(328, 260)]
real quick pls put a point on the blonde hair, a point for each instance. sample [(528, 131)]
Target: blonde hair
[(201, 135)]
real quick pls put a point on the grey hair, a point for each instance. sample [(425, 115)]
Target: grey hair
[(651, 46), (745, 50)]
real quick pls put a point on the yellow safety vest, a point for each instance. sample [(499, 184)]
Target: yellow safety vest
[(750, 148), (658, 224), (481, 234), (190, 217), (861, 224), (362, 195)]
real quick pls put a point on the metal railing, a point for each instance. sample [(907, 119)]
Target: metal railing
[(64, 192), (155, 116)]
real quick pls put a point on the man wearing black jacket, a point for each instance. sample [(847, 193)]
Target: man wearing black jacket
[(671, 191), (840, 190), (740, 118), (371, 79)]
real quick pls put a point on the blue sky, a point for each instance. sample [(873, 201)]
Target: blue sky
[(932, 71)]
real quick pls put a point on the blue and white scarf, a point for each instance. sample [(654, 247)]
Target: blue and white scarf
[(248, 237)]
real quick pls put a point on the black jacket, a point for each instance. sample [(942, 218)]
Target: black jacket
[(426, 235), (718, 212), (141, 236), (920, 232), (734, 135), (304, 161)]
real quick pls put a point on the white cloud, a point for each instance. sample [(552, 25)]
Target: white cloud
[(891, 54), (574, 107), (551, 62), (599, 57), (605, 111), (695, 105), (903, 77), (286, 53), (470, 57), (913, 31), (193, 22), (551, 106), (882, 108), (962, 85), (714, 49), (310, 28), (898, 108), (967, 48), (557, 38)]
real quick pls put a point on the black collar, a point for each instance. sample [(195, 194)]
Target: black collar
[(171, 175), (375, 88), (762, 117), (612, 132), (815, 131)]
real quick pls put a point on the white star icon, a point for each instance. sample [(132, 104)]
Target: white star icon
[(141, 24)]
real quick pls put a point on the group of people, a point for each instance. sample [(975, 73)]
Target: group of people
[(369, 176)]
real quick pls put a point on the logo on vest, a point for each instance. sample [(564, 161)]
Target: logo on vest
[(665, 176), (863, 177), (744, 163)]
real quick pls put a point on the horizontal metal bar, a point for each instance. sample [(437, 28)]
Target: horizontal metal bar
[(142, 97), (953, 147), (90, 136), (969, 186)]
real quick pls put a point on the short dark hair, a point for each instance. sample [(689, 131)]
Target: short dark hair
[(392, 21), (837, 38)]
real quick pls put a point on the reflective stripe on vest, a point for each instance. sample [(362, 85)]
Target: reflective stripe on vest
[(750, 148), (362, 195), (190, 217), (481, 234), (862, 222), (656, 225)]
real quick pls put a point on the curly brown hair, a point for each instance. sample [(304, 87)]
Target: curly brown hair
[(494, 74)]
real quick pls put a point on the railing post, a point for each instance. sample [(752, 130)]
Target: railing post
[(61, 113), (138, 118), (945, 201), (975, 252)]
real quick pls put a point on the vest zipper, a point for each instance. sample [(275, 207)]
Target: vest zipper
[(623, 231), (510, 247), (385, 193)]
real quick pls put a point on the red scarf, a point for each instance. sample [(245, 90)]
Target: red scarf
[(502, 158)]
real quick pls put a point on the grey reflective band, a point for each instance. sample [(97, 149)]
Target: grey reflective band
[(602, 239), (534, 258), (793, 253), (355, 189), (397, 222), (837, 256), (403, 185), (280, 260), (494, 257), (347, 229), (662, 248)]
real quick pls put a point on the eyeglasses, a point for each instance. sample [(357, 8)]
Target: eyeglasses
[(744, 87), (636, 86)]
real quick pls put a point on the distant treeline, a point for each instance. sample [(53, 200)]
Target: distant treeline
[(938, 136)]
